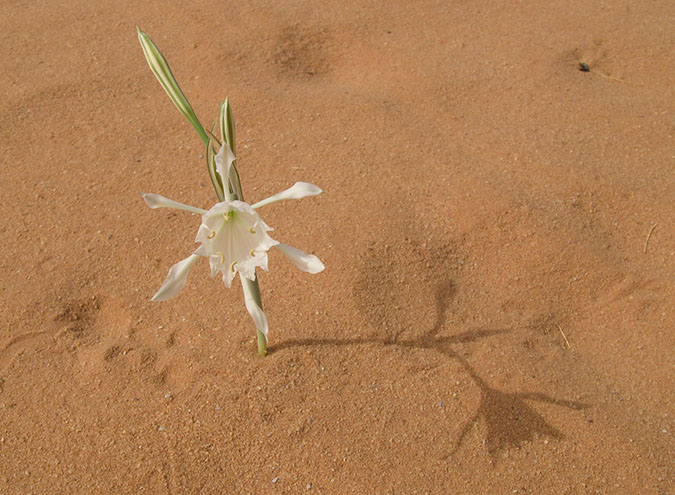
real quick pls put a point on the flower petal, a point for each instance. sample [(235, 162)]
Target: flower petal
[(306, 262), (296, 191), (157, 201), (254, 310), (175, 280), (228, 275), (224, 160)]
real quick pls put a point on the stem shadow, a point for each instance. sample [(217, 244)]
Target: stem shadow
[(510, 421)]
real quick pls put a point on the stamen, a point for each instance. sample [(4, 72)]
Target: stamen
[(252, 253), (232, 266), (227, 216), (212, 234), (222, 257), (250, 229)]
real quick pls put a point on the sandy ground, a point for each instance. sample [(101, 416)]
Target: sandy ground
[(492, 318)]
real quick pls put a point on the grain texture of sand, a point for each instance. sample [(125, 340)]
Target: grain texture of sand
[(496, 315)]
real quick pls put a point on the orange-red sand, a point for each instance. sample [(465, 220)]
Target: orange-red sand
[(492, 318)]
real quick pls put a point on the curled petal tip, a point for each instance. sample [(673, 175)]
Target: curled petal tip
[(296, 191), (175, 280), (305, 262), (156, 201), (307, 189), (318, 266), (254, 310)]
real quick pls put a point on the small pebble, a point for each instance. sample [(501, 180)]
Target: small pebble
[(275, 479)]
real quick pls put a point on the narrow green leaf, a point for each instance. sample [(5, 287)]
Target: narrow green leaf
[(227, 125), (227, 133), (211, 167), (160, 67), (236, 182)]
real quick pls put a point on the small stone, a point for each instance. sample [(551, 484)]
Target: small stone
[(275, 479)]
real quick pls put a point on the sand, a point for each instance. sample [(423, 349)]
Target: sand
[(492, 317)]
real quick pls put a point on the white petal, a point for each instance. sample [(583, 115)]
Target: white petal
[(214, 262), (254, 310), (306, 262), (203, 234), (224, 160), (175, 280), (296, 191), (228, 276), (247, 267), (157, 201)]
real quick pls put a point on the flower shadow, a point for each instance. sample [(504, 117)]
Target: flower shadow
[(509, 420)]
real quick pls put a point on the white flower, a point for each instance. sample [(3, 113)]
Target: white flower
[(235, 240)]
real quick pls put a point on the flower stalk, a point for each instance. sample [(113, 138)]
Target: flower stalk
[(251, 287)]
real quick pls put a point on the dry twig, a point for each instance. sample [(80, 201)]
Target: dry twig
[(649, 235), (584, 67), (564, 336)]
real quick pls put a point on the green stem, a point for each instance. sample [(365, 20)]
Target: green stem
[(252, 290), (227, 132), (262, 344)]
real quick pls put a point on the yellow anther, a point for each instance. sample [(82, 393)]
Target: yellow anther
[(222, 257), (212, 234), (250, 229), (252, 253), (226, 215), (232, 266)]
